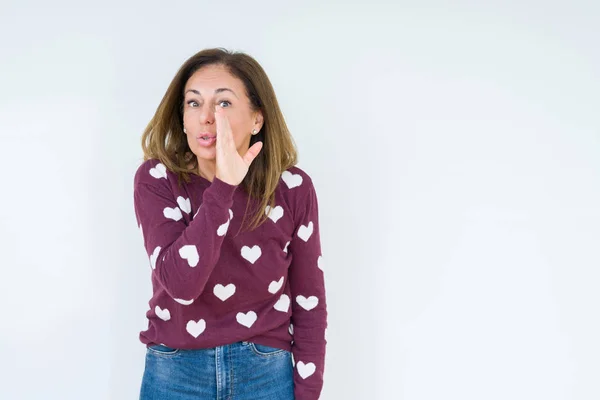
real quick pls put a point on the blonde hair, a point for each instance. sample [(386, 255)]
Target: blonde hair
[(163, 138)]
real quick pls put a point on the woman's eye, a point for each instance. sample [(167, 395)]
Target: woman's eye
[(222, 103)]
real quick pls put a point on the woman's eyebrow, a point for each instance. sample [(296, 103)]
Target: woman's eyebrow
[(217, 91)]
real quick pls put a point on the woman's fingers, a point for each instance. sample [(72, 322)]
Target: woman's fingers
[(220, 145), (252, 153), (224, 133)]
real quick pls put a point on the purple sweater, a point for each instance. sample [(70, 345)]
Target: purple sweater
[(214, 286)]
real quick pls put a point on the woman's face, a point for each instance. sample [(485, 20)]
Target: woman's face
[(208, 87)]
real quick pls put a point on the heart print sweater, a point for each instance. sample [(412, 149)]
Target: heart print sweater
[(214, 284)]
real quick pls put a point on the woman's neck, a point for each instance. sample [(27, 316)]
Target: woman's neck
[(207, 169)]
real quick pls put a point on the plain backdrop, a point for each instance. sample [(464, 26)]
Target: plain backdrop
[(455, 148)]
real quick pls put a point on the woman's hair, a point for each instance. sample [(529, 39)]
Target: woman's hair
[(163, 138)]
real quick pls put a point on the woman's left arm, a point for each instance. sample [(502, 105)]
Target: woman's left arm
[(309, 306)]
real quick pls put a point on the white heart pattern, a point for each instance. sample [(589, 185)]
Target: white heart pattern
[(319, 263), (222, 230), (184, 204), (275, 286), (274, 213), (160, 171), (230, 214), (195, 328), (307, 304), (189, 252), (247, 319), (165, 314), (251, 254), (304, 232), (172, 213), (283, 304), (305, 370), (291, 180), (224, 292), (154, 256), (286, 246), (184, 302)]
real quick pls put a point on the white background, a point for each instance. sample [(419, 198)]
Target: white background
[(456, 155)]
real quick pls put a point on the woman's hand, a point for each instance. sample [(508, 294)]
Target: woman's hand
[(231, 168)]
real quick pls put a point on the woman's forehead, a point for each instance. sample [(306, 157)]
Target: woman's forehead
[(210, 79)]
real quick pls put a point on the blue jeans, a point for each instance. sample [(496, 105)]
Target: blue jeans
[(238, 371)]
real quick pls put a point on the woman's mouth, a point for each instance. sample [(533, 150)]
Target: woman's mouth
[(206, 140)]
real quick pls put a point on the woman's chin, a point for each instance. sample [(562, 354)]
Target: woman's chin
[(203, 153)]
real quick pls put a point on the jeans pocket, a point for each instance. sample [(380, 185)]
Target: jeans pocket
[(266, 351), (162, 350)]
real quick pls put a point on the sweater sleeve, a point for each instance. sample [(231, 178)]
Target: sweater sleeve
[(309, 307), (182, 256)]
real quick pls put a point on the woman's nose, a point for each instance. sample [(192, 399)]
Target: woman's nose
[(207, 116)]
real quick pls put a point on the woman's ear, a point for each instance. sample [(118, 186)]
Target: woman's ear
[(259, 120)]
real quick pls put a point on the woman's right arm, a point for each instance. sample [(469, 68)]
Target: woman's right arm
[(182, 256)]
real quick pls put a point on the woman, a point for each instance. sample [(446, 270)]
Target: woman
[(231, 229)]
